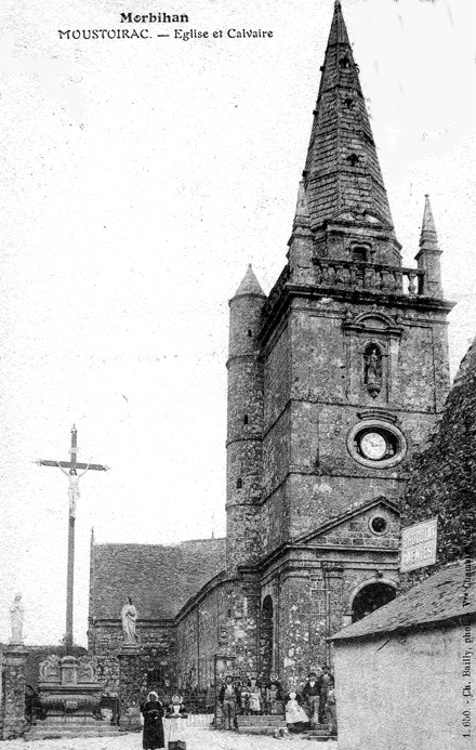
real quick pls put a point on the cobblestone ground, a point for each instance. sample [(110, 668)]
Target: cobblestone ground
[(199, 737)]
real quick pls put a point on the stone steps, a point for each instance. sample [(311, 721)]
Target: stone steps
[(277, 719), (46, 730)]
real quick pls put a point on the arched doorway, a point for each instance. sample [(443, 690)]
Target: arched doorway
[(371, 597), (267, 637)]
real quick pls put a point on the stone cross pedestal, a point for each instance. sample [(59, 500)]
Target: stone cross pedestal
[(70, 696), (131, 674), (14, 677)]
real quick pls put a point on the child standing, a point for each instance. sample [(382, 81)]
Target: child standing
[(255, 697), (177, 715)]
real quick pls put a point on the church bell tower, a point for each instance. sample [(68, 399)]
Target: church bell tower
[(354, 344), (335, 379)]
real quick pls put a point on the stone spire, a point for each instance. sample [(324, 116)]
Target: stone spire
[(428, 236), (249, 285), (301, 244), (342, 172), (428, 257), (301, 217)]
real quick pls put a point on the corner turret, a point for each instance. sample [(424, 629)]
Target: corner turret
[(245, 424)]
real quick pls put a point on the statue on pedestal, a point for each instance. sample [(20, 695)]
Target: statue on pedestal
[(129, 619), (17, 613)]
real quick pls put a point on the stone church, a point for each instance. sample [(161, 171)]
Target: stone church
[(334, 380)]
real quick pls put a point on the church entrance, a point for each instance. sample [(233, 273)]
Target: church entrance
[(370, 598), (267, 637)]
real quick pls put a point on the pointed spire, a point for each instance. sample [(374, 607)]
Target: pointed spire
[(249, 285), (342, 173), (428, 230), (428, 256), (301, 217)]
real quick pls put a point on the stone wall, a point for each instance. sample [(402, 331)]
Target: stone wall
[(391, 694), (223, 622), (443, 475), (155, 658)]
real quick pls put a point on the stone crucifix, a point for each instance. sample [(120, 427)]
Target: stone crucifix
[(70, 469)]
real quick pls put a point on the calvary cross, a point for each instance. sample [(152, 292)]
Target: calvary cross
[(73, 491)]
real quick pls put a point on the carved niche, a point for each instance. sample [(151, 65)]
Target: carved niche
[(372, 342)]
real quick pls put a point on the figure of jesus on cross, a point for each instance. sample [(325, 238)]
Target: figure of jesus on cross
[(70, 469)]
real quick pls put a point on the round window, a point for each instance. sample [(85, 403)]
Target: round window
[(378, 525)]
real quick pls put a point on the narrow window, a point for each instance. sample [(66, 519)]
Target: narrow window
[(239, 483), (249, 333), (245, 419), (359, 254)]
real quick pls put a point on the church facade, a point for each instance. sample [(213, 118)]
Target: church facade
[(334, 380)]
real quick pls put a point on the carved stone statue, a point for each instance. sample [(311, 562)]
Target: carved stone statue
[(17, 613), (129, 619), (373, 369), (73, 488)]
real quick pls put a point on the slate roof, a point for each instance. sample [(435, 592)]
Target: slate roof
[(158, 578), (447, 595), (249, 284), (342, 171)]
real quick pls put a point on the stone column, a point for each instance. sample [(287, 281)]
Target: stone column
[(14, 674), (130, 684)]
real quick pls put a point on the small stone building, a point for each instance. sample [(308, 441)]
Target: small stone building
[(334, 380), (405, 677)]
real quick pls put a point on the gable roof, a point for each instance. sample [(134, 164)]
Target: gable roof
[(448, 595), (356, 509), (158, 578)]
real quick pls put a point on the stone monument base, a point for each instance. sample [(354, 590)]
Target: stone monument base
[(70, 697)]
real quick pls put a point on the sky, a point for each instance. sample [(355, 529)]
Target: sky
[(138, 178)]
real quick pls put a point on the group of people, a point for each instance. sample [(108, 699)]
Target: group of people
[(153, 712), (310, 704)]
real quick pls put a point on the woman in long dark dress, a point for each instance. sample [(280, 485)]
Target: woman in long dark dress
[(152, 710)]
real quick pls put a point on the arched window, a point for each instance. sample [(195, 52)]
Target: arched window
[(370, 598), (239, 483)]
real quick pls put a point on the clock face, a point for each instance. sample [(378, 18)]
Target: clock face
[(373, 445)]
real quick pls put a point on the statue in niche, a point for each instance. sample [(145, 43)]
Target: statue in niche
[(16, 614), (129, 619), (373, 369)]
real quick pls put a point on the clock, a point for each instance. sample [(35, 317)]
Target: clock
[(376, 443), (373, 446)]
